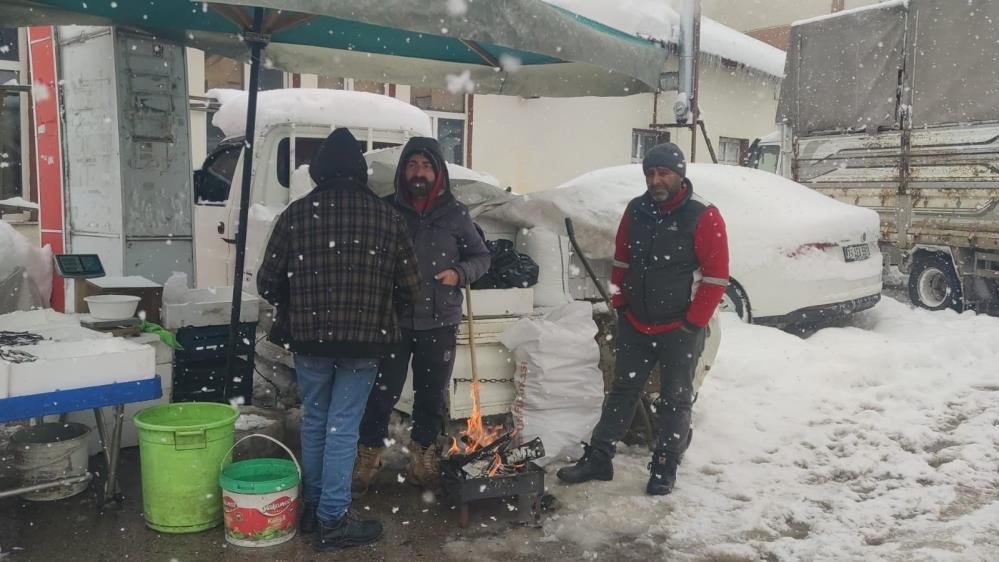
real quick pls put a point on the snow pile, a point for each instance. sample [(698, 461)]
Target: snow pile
[(862, 443), (656, 19), (318, 106), (767, 216)]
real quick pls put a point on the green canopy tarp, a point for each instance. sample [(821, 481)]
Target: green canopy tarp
[(541, 50), (513, 47)]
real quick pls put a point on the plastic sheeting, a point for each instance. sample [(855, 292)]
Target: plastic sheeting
[(859, 70)]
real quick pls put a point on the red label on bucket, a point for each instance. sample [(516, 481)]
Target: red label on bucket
[(277, 507), (259, 520)]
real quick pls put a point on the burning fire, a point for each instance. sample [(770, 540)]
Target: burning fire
[(476, 435)]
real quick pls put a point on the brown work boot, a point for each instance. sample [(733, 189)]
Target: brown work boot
[(424, 468), (366, 467)]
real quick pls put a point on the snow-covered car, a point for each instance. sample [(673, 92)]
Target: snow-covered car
[(795, 255)]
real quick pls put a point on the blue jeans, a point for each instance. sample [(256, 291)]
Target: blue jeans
[(334, 392)]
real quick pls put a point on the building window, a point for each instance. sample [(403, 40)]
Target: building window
[(9, 48), (271, 79), (731, 150), (451, 134), (642, 140), (11, 155), (223, 72), (15, 109), (369, 86), (329, 82), (437, 100)]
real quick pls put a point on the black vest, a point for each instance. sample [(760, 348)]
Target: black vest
[(660, 274)]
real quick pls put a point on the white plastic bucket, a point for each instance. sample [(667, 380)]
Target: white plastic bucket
[(260, 498), (112, 307), (48, 452)]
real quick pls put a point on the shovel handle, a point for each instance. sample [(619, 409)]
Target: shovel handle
[(471, 334)]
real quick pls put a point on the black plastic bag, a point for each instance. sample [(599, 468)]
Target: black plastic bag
[(509, 268)]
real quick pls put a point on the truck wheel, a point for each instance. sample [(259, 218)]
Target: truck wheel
[(934, 285), (735, 300)]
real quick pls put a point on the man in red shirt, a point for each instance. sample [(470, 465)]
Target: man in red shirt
[(670, 272)]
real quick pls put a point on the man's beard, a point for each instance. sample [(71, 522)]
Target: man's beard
[(660, 195), (419, 187)]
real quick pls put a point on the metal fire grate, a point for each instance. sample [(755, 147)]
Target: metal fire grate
[(528, 485)]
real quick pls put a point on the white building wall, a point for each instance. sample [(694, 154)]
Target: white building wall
[(537, 144)]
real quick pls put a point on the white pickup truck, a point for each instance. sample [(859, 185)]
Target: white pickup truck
[(291, 124)]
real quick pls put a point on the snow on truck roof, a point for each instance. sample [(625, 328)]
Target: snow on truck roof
[(655, 19), (319, 106)]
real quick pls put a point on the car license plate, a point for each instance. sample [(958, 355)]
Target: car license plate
[(858, 252)]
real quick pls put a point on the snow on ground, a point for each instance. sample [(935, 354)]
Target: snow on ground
[(872, 442)]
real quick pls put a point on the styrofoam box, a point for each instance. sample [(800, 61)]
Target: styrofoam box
[(28, 320), (488, 330), (164, 353), (494, 362), (78, 364), (208, 307), (129, 434), (69, 333), (500, 302)]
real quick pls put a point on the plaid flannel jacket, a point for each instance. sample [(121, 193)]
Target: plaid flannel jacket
[(336, 262)]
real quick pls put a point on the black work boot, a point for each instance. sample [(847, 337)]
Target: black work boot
[(350, 530), (662, 473), (595, 465), (307, 521)]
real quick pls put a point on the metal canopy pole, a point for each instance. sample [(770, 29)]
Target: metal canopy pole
[(256, 41)]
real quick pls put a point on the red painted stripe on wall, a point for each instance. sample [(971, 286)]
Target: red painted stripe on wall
[(48, 153)]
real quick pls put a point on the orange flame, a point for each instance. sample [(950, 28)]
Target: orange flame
[(476, 435)]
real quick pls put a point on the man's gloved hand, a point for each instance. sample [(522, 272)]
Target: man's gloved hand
[(690, 328)]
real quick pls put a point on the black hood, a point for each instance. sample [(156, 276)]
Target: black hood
[(339, 157), (430, 148)]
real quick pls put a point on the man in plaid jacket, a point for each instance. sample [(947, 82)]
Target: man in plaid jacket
[(337, 262)]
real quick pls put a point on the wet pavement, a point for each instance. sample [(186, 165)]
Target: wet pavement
[(417, 527)]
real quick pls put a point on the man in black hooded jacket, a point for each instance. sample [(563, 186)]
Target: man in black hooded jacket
[(451, 254)]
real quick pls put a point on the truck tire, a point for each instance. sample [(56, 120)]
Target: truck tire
[(934, 285), (735, 300)]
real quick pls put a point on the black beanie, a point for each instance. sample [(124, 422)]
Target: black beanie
[(339, 156), (665, 155)]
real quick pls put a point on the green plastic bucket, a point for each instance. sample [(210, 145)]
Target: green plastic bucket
[(180, 449), (260, 498)]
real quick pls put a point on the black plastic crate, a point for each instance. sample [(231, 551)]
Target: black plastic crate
[(206, 343), (205, 382)]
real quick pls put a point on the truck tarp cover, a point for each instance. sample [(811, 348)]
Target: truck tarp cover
[(843, 71)]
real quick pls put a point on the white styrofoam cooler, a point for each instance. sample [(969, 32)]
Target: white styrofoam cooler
[(208, 307), (164, 353), (129, 434), (500, 302), (78, 364), (29, 320), (494, 362)]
